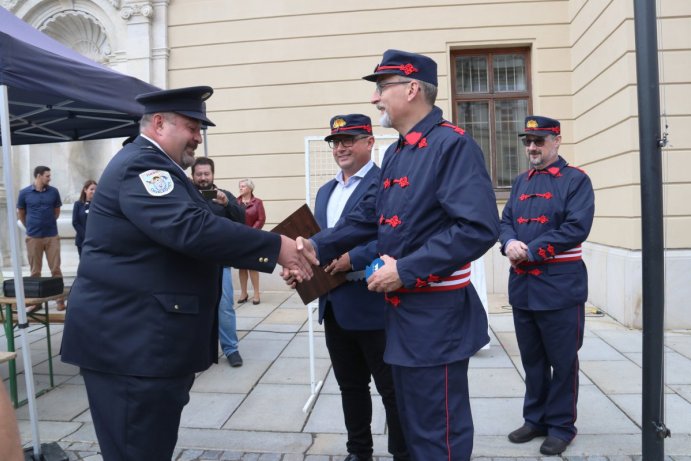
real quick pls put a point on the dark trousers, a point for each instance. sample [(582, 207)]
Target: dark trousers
[(549, 342), (435, 411), (136, 418), (356, 355)]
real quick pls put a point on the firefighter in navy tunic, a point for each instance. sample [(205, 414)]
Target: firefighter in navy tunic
[(433, 211), (142, 318), (547, 217)]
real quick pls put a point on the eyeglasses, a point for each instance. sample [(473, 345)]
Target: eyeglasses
[(345, 142), (382, 86), (539, 142)]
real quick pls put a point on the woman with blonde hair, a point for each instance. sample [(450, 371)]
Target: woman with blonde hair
[(254, 217)]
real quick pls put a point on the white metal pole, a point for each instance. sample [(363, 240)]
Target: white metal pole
[(307, 170), (315, 386), (16, 267)]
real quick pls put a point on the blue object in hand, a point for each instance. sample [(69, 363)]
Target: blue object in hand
[(373, 267)]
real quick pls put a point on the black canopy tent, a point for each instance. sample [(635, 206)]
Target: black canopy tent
[(56, 94), (50, 93)]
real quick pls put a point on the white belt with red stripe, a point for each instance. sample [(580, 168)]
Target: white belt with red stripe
[(459, 279), (574, 254)]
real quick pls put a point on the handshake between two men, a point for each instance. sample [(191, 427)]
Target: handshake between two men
[(302, 254)]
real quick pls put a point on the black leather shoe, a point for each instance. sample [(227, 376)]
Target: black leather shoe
[(234, 359), (525, 434), (553, 446), (354, 457)]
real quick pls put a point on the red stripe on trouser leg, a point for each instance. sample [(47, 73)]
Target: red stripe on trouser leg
[(576, 366), (446, 403)]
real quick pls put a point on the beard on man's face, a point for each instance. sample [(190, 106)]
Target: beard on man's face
[(385, 120)]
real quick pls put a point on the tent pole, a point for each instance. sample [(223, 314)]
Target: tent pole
[(14, 250)]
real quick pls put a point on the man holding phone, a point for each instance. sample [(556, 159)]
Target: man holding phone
[(222, 203)]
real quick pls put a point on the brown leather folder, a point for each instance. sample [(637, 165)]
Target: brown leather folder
[(302, 224)]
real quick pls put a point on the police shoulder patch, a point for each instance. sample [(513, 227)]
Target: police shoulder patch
[(157, 182)]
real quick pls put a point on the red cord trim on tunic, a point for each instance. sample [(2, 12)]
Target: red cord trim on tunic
[(457, 129), (553, 170), (393, 221), (546, 195), (540, 219), (413, 137), (395, 301), (402, 182)]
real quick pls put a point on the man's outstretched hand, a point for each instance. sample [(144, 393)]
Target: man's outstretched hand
[(301, 256), (296, 262)]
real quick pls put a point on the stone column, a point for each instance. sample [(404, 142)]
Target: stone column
[(147, 39)]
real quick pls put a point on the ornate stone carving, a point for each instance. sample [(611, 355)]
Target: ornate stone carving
[(81, 32), (9, 4), (143, 9)]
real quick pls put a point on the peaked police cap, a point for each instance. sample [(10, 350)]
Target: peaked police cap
[(187, 101), (351, 125), (540, 126)]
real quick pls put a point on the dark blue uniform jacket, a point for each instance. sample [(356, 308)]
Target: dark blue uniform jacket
[(551, 211), (353, 305), (434, 210), (144, 300), (80, 212)]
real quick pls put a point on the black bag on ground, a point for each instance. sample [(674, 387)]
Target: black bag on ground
[(35, 287)]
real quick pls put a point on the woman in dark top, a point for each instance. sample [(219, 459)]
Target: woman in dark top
[(255, 217), (80, 211)]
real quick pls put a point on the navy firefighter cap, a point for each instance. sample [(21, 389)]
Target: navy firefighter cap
[(187, 101), (405, 64), (541, 126), (351, 125)]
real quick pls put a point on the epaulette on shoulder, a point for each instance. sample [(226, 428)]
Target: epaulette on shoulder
[(579, 169), (455, 128)]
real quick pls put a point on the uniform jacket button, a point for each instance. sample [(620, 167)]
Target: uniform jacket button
[(176, 307)]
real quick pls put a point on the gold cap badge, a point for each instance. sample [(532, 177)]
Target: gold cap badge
[(338, 123), (531, 124)]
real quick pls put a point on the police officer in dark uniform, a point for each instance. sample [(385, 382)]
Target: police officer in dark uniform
[(433, 211), (547, 217), (353, 316), (142, 309)]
